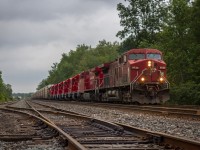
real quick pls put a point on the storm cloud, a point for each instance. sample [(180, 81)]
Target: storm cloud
[(34, 34)]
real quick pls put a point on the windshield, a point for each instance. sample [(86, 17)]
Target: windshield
[(136, 56), (154, 56)]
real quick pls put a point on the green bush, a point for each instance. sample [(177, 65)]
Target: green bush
[(185, 94)]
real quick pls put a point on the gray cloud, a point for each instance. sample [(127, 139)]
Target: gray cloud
[(34, 34), (40, 10)]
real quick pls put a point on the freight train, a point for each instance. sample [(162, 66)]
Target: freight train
[(138, 75)]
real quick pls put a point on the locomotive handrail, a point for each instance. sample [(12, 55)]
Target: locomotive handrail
[(137, 77), (165, 79), (101, 82)]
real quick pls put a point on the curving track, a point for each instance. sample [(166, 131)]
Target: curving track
[(166, 139), (83, 132), (19, 130)]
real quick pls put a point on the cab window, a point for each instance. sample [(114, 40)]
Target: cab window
[(136, 56), (154, 56)]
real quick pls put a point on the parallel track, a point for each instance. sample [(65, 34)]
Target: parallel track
[(28, 131), (98, 134), (160, 138), (170, 110)]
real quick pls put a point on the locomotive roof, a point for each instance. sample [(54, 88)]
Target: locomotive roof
[(143, 51)]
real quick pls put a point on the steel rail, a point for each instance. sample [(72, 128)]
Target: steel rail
[(154, 109), (77, 115), (57, 109), (72, 114), (161, 138), (72, 143), (116, 128)]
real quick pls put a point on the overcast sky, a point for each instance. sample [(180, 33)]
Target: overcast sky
[(34, 34)]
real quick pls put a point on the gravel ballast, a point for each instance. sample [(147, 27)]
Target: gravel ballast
[(185, 128), (176, 126)]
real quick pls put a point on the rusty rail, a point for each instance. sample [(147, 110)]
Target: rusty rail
[(193, 112), (88, 138), (72, 143), (161, 138), (158, 137)]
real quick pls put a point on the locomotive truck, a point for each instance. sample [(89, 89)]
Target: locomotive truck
[(138, 75)]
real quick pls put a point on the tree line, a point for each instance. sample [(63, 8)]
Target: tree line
[(171, 26), (5, 90), (82, 58)]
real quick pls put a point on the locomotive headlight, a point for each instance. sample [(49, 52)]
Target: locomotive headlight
[(149, 63), (142, 79), (161, 79)]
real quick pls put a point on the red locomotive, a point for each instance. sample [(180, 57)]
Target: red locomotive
[(139, 75)]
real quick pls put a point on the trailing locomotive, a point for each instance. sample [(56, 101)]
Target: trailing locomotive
[(139, 75)]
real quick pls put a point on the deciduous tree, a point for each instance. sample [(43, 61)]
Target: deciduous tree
[(141, 20)]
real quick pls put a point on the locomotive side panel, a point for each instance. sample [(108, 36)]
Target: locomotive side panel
[(81, 86), (92, 81), (123, 71)]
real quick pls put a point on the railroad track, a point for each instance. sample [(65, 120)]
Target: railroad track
[(20, 130), (95, 134), (167, 110), (112, 135)]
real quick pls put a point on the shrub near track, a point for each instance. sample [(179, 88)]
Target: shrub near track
[(185, 94), (5, 90)]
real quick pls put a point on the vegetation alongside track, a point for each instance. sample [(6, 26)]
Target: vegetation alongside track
[(5, 90), (172, 27)]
